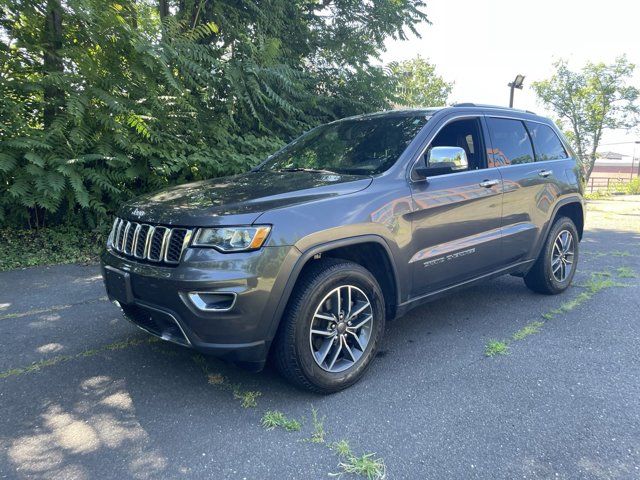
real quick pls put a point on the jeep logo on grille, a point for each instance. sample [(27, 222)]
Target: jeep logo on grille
[(138, 213)]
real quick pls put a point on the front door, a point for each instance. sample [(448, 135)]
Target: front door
[(457, 216)]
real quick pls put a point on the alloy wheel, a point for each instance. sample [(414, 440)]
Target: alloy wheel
[(341, 328), (562, 256)]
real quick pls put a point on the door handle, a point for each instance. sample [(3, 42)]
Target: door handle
[(545, 173), (489, 183)]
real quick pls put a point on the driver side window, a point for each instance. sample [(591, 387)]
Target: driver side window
[(464, 134)]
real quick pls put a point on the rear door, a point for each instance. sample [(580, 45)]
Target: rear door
[(456, 216), (531, 187)]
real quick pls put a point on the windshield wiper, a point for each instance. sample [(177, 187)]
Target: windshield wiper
[(301, 169)]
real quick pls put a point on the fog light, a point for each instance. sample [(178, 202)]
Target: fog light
[(213, 301)]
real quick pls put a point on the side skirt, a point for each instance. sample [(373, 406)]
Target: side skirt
[(405, 307)]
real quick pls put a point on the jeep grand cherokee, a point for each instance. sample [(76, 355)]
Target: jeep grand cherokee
[(352, 224)]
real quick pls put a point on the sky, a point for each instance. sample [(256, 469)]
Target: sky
[(481, 45)]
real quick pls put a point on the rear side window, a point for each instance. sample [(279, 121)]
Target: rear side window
[(545, 142), (511, 142)]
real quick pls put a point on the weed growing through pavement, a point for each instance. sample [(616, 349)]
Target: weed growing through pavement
[(496, 347), (626, 272), (529, 329), (367, 465), (614, 253), (318, 427), (597, 281), (37, 366), (274, 418), (342, 448), (54, 308), (248, 398)]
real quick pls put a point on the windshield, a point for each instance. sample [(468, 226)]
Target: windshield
[(364, 146)]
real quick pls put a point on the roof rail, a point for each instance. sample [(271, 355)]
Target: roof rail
[(498, 107)]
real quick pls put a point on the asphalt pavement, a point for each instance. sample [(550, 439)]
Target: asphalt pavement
[(84, 394)]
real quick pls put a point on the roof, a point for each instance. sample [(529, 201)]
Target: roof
[(611, 155), (430, 111)]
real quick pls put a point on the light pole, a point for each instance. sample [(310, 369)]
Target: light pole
[(517, 83)]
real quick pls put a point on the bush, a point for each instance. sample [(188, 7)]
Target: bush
[(625, 188), (52, 245)]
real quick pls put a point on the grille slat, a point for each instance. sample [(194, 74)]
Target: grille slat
[(131, 233), (155, 243), (176, 244), (141, 242)]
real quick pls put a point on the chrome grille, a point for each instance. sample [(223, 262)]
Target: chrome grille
[(154, 243)]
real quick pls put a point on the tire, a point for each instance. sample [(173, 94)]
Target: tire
[(298, 350), (545, 278)]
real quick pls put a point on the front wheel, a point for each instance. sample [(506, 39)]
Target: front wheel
[(555, 267), (332, 327)]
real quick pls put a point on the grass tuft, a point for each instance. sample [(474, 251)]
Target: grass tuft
[(496, 347), (342, 448), (367, 466), (318, 427), (275, 418), (626, 272), (529, 329), (248, 399)]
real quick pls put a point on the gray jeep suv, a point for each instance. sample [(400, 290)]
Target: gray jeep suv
[(352, 224)]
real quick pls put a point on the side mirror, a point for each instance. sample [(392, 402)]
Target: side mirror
[(440, 160)]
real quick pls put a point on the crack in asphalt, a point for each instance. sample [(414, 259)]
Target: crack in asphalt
[(54, 308), (49, 362)]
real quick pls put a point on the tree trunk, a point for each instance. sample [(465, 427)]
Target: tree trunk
[(53, 96), (590, 165), (163, 7)]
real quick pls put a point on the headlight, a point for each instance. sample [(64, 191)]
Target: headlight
[(232, 239)]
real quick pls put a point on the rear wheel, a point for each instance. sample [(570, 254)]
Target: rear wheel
[(332, 327), (555, 267)]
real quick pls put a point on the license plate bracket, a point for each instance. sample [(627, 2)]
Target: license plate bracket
[(118, 284)]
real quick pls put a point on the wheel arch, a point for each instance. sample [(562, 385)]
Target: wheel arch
[(370, 251), (572, 207), (575, 211)]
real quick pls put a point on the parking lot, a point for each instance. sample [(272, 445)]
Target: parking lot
[(85, 394)]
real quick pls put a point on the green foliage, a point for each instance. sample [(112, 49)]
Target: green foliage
[(101, 101), (275, 418), (529, 329), (496, 347), (631, 187), (51, 245), (318, 435), (591, 100), (368, 466), (418, 85)]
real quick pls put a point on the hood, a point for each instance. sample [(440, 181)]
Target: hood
[(239, 199)]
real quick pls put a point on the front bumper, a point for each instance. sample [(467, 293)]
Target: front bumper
[(158, 299)]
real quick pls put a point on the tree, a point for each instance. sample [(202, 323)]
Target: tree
[(590, 101), (418, 84), (103, 100)]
